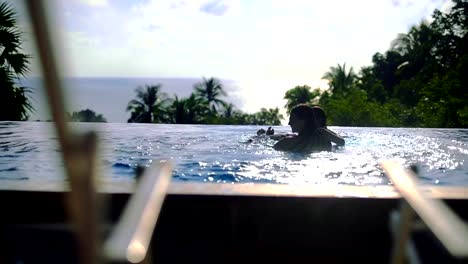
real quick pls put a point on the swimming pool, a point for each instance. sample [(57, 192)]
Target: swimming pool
[(212, 153)]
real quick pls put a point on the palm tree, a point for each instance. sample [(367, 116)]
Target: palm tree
[(229, 110), (418, 51), (178, 111), (419, 38), (149, 105), (14, 104), (210, 90), (188, 110), (269, 117), (339, 79), (300, 95)]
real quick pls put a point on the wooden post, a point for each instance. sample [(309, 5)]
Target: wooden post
[(439, 218), (403, 232), (78, 151)]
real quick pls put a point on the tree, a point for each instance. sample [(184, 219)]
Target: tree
[(188, 110), (268, 117), (86, 115), (444, 99), (451, 29), (149, 106), (210, 90), (300, 95), (339, 79), (420, 81), (416, 42), (14, 103), (385, 68), (368, 82), (178, 111), (418, 53), (356, 110)]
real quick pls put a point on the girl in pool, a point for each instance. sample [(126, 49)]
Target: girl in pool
[(312, 133)]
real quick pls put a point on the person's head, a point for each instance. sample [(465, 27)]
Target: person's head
[(320, 116), (302, 118)]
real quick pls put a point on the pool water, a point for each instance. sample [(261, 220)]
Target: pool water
[(213, 153)]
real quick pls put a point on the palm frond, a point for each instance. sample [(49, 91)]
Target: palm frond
[(19, 63), (7, 15), (133, 104)]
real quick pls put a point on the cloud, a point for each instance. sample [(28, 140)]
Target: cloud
[(217, 7), (151, 28), (178, 4), (266, 46), (291, 40)]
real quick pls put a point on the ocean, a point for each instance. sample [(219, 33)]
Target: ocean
[(110, 96)]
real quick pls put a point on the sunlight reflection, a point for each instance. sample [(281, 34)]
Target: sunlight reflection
[(217, 154)]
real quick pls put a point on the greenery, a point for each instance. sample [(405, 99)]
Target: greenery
[(203, 106), (86, 115), (14, 102), (300, 95), (149, 106), (208, 92), (339, 80), (421, 81)]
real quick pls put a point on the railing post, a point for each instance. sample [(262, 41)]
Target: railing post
[(78, 151), (402, 233)]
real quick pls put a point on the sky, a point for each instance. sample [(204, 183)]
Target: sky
[(265, 46)]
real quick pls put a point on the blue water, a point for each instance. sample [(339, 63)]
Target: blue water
[(209, 153)]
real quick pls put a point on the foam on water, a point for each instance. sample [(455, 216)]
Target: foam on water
[(208, 153)]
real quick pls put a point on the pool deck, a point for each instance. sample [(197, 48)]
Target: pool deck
[(271, 190), (230, 223)]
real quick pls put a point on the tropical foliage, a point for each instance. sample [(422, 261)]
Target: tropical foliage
[(421, 81), (204, 106), (209, 91), (86, 115), (300, 95), (14, 101), (191, 110), (269, 116), (339, 79), (149, 106)]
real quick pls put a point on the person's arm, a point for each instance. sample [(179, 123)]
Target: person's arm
[(270, 132), (278, 136), (332, 136), (285, 144)]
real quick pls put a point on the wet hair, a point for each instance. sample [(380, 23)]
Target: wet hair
[(314, 116), (303, 111), (320, 116)]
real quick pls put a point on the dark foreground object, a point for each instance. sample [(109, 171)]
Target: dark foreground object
[(222, 229)]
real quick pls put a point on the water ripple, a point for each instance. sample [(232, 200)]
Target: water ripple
[(220, 154)]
